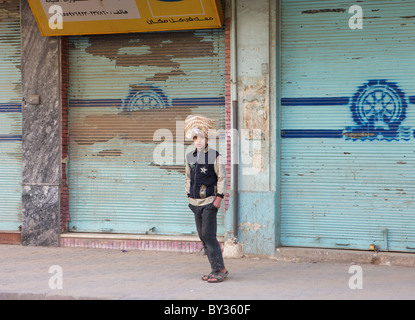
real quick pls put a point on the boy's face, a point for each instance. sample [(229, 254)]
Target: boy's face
[(200, 142)]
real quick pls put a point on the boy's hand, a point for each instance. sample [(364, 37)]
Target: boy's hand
[(217, 202)]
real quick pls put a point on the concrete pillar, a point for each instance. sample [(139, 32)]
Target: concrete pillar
[(41, 134), (257, 109)]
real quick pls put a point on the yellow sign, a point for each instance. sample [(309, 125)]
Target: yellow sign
[(78, 17)]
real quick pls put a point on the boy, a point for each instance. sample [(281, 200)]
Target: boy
[(206, 183)]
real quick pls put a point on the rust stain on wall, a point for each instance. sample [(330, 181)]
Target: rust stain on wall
[(358, 135), (10, 17), (109, 153), (9, 9), (155, 49), (132, 125), (323, 10), (165, 76), (179, 169), (164, 52)]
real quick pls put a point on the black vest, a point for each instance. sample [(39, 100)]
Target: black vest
[(203, 179)]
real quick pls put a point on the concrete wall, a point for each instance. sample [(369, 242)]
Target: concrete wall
[(256, 67)]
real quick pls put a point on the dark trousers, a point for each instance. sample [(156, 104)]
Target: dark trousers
[(206, 224)]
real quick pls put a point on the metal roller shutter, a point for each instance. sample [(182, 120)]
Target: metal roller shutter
[(348, 120), (123, 88), (10, 117)]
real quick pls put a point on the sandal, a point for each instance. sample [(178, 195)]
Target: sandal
[(218, 277), (206, 277)]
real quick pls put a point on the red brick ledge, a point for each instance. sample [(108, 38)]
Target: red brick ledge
[(183, 244), (10, 237)]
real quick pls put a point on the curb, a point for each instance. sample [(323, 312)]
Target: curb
[(345, 256), (8, 296)]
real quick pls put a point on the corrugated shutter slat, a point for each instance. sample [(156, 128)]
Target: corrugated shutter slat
[(10, 117)]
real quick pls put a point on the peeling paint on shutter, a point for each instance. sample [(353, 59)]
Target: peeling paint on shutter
[(123, 88), (10, 117), (348, 125)]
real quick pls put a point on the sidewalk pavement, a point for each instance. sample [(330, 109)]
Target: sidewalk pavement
[(114, 274)]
